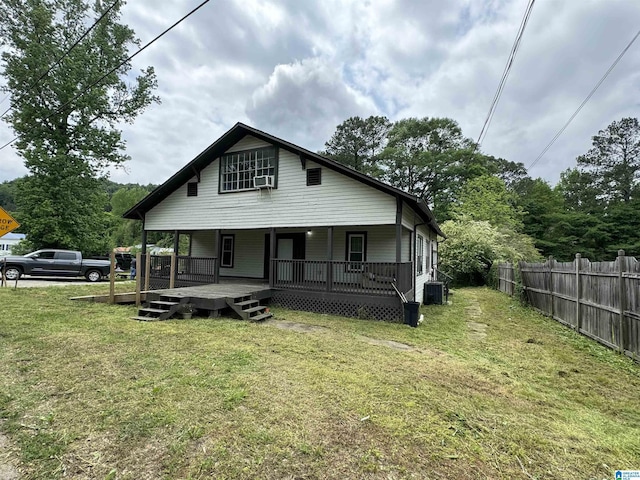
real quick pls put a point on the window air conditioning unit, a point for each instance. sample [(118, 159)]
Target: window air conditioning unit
[(263, 181)]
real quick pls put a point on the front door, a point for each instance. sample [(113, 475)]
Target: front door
[(290, 247)]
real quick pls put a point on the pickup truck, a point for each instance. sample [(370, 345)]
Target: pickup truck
[(55, 263)]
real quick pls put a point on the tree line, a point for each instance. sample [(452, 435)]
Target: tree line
[(490, 208)]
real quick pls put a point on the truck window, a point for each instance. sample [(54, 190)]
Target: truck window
[(66, 256), (46, 255)]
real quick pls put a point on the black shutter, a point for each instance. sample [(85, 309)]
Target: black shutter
[(192, 189)]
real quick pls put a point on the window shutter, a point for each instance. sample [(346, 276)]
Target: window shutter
[(192, 189)]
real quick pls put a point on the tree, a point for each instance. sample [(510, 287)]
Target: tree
[(472, 247), (614, 160), (486, 198), (126, 232), (357, 143), (67, 140), (8, 195), (419, 150)]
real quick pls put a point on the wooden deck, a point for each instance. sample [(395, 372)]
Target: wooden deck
[(213, 298)]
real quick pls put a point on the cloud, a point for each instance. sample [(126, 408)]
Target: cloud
[(297, 69), (304, 102)]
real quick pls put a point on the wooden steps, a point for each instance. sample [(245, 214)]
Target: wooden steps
[(248, 309), (166, 307), (162, 309)]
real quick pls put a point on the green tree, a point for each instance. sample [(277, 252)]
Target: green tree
[(67, 142), (487, 198), (8, 195), (614, 160), (125, 232), (419, 151), (472, 247), (358, 142)]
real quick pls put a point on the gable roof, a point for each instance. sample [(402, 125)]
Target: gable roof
[(237, 133)]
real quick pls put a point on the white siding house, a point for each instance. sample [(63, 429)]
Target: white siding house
[(263, 208), (8, 240)]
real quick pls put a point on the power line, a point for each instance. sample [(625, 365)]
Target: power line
[(555, 137), (57, 62), (505, 73), (83, 92)]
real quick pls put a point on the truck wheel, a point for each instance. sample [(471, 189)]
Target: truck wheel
[(12, 273), (93, 275)]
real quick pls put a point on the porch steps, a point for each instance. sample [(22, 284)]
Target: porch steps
[(248, 309), (162, 309)]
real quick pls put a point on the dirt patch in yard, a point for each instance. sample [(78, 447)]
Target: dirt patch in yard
[(389, 344), (296, 327), (477, 331), (8, 470)]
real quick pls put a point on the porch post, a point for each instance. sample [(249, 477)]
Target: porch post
[(398, 229), (176, 241), (272, 255), (216, 273), (329, 258), (143, 249), (142, 266)]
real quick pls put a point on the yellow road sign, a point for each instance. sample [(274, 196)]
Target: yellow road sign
[(7, 222)]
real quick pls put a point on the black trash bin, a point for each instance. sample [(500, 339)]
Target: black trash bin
[(411, 313)]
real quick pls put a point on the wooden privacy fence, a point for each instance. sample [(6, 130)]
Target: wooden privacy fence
[(598, 299), (506, 278)]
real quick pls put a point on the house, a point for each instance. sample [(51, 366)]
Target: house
[(326, 238), (8, 240)]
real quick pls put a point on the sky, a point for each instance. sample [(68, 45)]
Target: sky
[(296, 69)]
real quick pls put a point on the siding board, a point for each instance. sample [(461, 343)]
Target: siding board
[(340, 200)]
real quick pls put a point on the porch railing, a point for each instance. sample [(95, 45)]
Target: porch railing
[(189, 271), (373, 278)]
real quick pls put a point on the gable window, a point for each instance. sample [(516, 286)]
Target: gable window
[(238, 169), (226, 250), (192, 189), (314, 176), (356, 249), (420, 254)]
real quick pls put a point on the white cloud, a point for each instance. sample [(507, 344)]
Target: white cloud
[(304, 102), (297, 69)]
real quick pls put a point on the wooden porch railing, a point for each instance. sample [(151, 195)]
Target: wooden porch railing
[(189, 271), (373, 278)]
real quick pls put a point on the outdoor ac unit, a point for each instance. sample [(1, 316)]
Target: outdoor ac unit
[(263, 181)]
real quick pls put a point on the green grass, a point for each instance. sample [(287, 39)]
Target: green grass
[(85, 392)]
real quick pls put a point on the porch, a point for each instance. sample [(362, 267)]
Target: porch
[(349, 270), (355, 278)]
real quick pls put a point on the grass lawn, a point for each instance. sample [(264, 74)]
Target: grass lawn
[(85, 392)]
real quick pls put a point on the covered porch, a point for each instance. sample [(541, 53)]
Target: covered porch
[(369, 260)]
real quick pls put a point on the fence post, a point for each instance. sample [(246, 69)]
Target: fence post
[(624, 334), (551, 262), (578, 261), (147, 271), (138, 265), (112, 277), (172, 271)]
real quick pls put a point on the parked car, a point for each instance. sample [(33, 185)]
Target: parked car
[(56, 263), (123, 260)]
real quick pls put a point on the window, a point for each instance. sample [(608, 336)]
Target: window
[(314, 176), (356, 249), (238, 169), (66, 256), (226, 251), (192, 189), (420, 254)]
